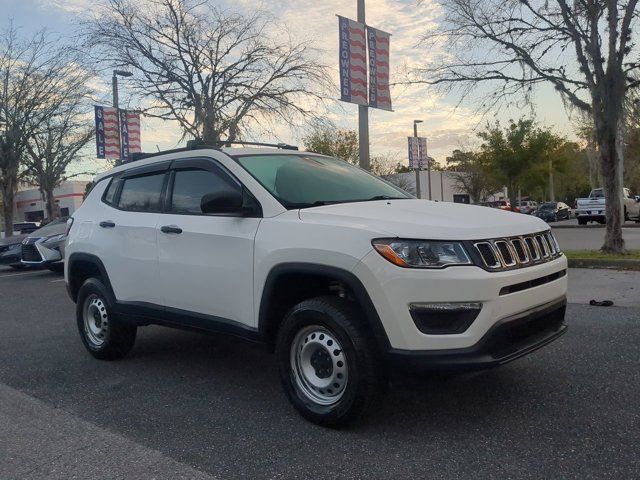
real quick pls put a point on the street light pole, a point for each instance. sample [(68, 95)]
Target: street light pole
[(415, 135), (114, 88), (363, 114)]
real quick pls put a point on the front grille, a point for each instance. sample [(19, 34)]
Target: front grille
[(30, 253), (517, 252)]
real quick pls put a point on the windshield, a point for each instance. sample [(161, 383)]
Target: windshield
[(300, 181), (548, 206)]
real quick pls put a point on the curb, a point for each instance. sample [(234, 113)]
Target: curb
[(630, 264), (636, 225)]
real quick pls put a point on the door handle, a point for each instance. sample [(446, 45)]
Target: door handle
[(170, 229), (107, 224)]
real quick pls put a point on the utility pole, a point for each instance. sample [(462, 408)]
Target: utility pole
[(552, 193), (363, 113), (429, 176), (114, 88), (415, 135)]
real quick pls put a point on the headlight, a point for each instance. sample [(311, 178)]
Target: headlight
[(54, 238), (422, 253)]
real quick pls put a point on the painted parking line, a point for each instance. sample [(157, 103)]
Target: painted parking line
[(20, 274)]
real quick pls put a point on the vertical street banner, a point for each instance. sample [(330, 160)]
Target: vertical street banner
[(418, 153), (353, 61), (379, 93), (124, 135), (133, 122), (107, 138), (423, 159)]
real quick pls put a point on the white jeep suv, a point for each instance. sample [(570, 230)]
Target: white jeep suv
[(346, 277)]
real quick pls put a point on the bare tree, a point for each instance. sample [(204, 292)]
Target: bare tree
[(37, 77), (583, 48), (56, 144), (403, 181), (212, 71)]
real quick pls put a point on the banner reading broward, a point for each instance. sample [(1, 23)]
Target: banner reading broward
[(379, 94), (353, 61)]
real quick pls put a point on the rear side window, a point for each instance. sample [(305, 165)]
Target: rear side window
[(112, 189), (189, 186), (142, 194)]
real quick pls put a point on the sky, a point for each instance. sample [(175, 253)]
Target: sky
[(448, 124)]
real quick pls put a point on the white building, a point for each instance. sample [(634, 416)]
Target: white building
[(29, 205), (443, 187)]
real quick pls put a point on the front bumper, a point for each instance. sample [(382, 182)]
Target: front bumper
[(40, 251), (502, 295), (508, 340), (10, 256)]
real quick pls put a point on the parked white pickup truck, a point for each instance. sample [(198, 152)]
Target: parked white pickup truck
[(592, 208)]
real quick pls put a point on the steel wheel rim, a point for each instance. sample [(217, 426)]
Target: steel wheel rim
[(319, 365), (96, 320)]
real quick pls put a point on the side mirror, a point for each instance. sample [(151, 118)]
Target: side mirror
[(225, 202)]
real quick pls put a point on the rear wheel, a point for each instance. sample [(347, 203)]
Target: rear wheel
[(103, 335), (582, 221), (329, 363)]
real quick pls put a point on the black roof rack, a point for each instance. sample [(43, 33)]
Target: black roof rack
[(193, 144), (216, 145)]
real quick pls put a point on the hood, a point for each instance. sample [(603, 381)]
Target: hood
[(425, 219), (12, 240)]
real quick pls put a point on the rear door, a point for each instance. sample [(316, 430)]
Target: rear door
[(128, 233), (206, 261)]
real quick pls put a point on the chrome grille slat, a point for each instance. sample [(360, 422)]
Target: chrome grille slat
[(517, 252)]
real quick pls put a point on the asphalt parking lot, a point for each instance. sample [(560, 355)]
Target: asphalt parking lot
[(184, 405)]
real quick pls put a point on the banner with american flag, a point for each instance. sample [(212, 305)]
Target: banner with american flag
[(133, 120), (107, 137), (379, 94), (117, 133), (353, 61)]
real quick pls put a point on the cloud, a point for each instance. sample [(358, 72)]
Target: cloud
[(71, 6), (316, 22)]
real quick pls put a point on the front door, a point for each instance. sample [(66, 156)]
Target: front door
[(206, 261)]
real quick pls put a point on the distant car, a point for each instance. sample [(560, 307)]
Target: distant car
[(593, 207), (528, 207), (25, 227), (553, 211), (503, 205), (10, 251), (45, 246)]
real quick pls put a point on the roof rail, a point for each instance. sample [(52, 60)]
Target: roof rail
[(216, 145), (193, 144)]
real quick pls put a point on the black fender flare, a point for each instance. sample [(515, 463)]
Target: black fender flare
[(342, 275), (74, 258)]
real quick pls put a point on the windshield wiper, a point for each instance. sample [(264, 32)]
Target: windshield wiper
[(384, 197)]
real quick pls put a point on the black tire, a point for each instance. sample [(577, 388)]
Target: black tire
[(626, 215), (366, 375), (117, 338), (582, 221)]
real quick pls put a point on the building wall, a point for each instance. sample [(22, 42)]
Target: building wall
[(443, 186), (30, 207)]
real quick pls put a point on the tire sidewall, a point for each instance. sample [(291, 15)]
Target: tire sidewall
[(296, 320)]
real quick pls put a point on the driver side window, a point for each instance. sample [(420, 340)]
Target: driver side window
[(190, 185)]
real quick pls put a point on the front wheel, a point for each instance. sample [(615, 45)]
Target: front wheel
[(329, 363), (103, 335), (582, 221)]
